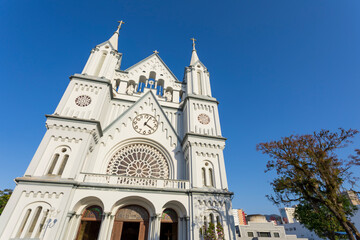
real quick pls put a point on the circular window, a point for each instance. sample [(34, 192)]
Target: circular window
[(139, 160), (83, 101), (203, 118)]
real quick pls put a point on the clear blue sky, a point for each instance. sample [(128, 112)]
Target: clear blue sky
[(278, 67)]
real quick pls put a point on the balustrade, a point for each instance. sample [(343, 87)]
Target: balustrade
[(133, 181)]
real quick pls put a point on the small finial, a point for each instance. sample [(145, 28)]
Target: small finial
[(193, 40), (156, 52)]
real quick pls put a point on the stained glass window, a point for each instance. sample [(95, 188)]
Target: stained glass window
[(139, 160)]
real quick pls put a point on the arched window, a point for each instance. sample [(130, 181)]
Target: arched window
[(151, 81), (160, 87), (169, 224), (33, 220), (208, 174), (211, 177), (199, 80), (33, 223), (218, 220), (211, 218), (24, 221), (63, 164), (181, 93), (141, 84), (90, 223), (42, 223), (53, 163), (117, 84), (139, 160), (59, 161), (205, 222), (203, 173)]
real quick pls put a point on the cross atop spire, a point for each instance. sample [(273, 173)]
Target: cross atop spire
[(121, 22), (114, 39), (194, 56), (119, 27), (193, 40)]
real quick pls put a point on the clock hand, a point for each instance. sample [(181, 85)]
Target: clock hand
[(149, 127)]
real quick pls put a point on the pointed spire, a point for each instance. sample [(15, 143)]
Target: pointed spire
[(194, 56), (115, 37)]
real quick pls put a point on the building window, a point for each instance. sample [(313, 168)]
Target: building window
[(139, 160), (199, 80), (53, 163), (277, 235), (250, 234), (207, 174), (141, 84), (90, 223), (160, 87), (32, 222), (59, 161), (211, 218), (211, 177), (22, 226), (203, 173), (264, 234)]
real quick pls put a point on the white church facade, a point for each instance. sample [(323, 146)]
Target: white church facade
[(128, 154)]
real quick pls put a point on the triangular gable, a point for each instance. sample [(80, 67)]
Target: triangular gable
[(129, 113), (142, 62), (106, 42), (198, 61)]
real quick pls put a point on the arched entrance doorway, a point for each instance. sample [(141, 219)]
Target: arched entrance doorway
[(131, 223), (169, 225), (90, 223)]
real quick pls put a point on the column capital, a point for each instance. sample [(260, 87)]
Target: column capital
[(70, 214)]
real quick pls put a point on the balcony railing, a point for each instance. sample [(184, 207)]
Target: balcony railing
[(133, 181)]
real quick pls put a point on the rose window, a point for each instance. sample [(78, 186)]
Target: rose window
[(203, 118), (83, 101), (139, 160)]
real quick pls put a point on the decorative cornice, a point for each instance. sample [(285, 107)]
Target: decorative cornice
[(78, 120), (200, 97), (205, 137)]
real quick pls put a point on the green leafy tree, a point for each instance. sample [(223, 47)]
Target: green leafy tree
[(4, 198), (309, 170), (319, 219)]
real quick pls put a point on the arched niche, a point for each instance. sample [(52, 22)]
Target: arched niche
[(169, 224), (90, 223)]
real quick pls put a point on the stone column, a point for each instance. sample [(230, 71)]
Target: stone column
[(187, 227), (155, 227), (110, 227), (68, 219), (104, 225), (73, 227), (182, 228)]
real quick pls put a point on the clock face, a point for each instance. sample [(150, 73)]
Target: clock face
[(145, 124)]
